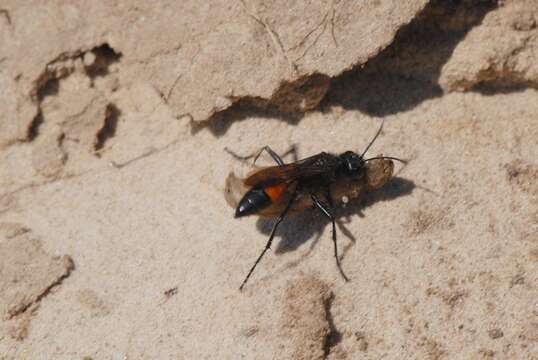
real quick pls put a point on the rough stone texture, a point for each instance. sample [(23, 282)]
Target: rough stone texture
[(48, 157), (503, 49), (106, 164), (27, 274), (208, 56)]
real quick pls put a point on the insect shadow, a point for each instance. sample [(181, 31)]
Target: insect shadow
[(300, 228)]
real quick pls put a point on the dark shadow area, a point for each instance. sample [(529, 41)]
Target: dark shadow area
[(289, 103), (379, 94), (104, 57), (109, 127), (219, 123), (297, 230), (490, 88), (406, 73), (50, 87), (334, 337), (33, 129), (6, 15)]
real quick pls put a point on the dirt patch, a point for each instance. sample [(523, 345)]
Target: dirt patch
[(307, 321), (451, 297), (523, 176), (92, 302), (433, 349), (495, 333), (428, 218)]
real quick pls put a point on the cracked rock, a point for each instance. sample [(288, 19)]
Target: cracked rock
[(242, 49), (27, 272), (502, 50)]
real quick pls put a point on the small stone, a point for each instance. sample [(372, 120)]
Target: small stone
[(89, 59), (222, 103), (495, 333)]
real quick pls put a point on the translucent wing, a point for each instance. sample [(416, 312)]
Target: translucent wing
[(314, 165)]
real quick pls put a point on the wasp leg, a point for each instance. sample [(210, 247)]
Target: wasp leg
[(278, 159), (271, 236), (328, 213), (257, 154), (270, 151), (293, 151)]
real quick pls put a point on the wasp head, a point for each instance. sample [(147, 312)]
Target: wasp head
[(352, 163)]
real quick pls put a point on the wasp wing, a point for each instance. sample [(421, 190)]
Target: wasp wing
[(314, 165)]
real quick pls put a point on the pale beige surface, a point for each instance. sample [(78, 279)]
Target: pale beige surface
[(443, 260)]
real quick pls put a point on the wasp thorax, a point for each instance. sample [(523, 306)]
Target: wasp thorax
[(352, 163)]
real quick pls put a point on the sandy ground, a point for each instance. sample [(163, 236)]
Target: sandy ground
[(116, 241)]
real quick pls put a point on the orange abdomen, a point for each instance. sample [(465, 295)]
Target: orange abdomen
[(257, 199), (275, 191)]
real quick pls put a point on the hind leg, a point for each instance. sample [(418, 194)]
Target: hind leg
[(270, 241), (327, 211)]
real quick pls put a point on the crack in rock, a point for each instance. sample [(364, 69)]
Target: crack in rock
[(333, 337), (108, 130)]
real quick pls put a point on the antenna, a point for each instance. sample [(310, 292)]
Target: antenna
[(375, 137), (379, 157), (387, 157)]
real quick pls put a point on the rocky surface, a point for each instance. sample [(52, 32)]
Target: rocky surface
[(114, 119)]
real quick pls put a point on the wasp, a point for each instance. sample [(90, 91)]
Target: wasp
[(320, 181)]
